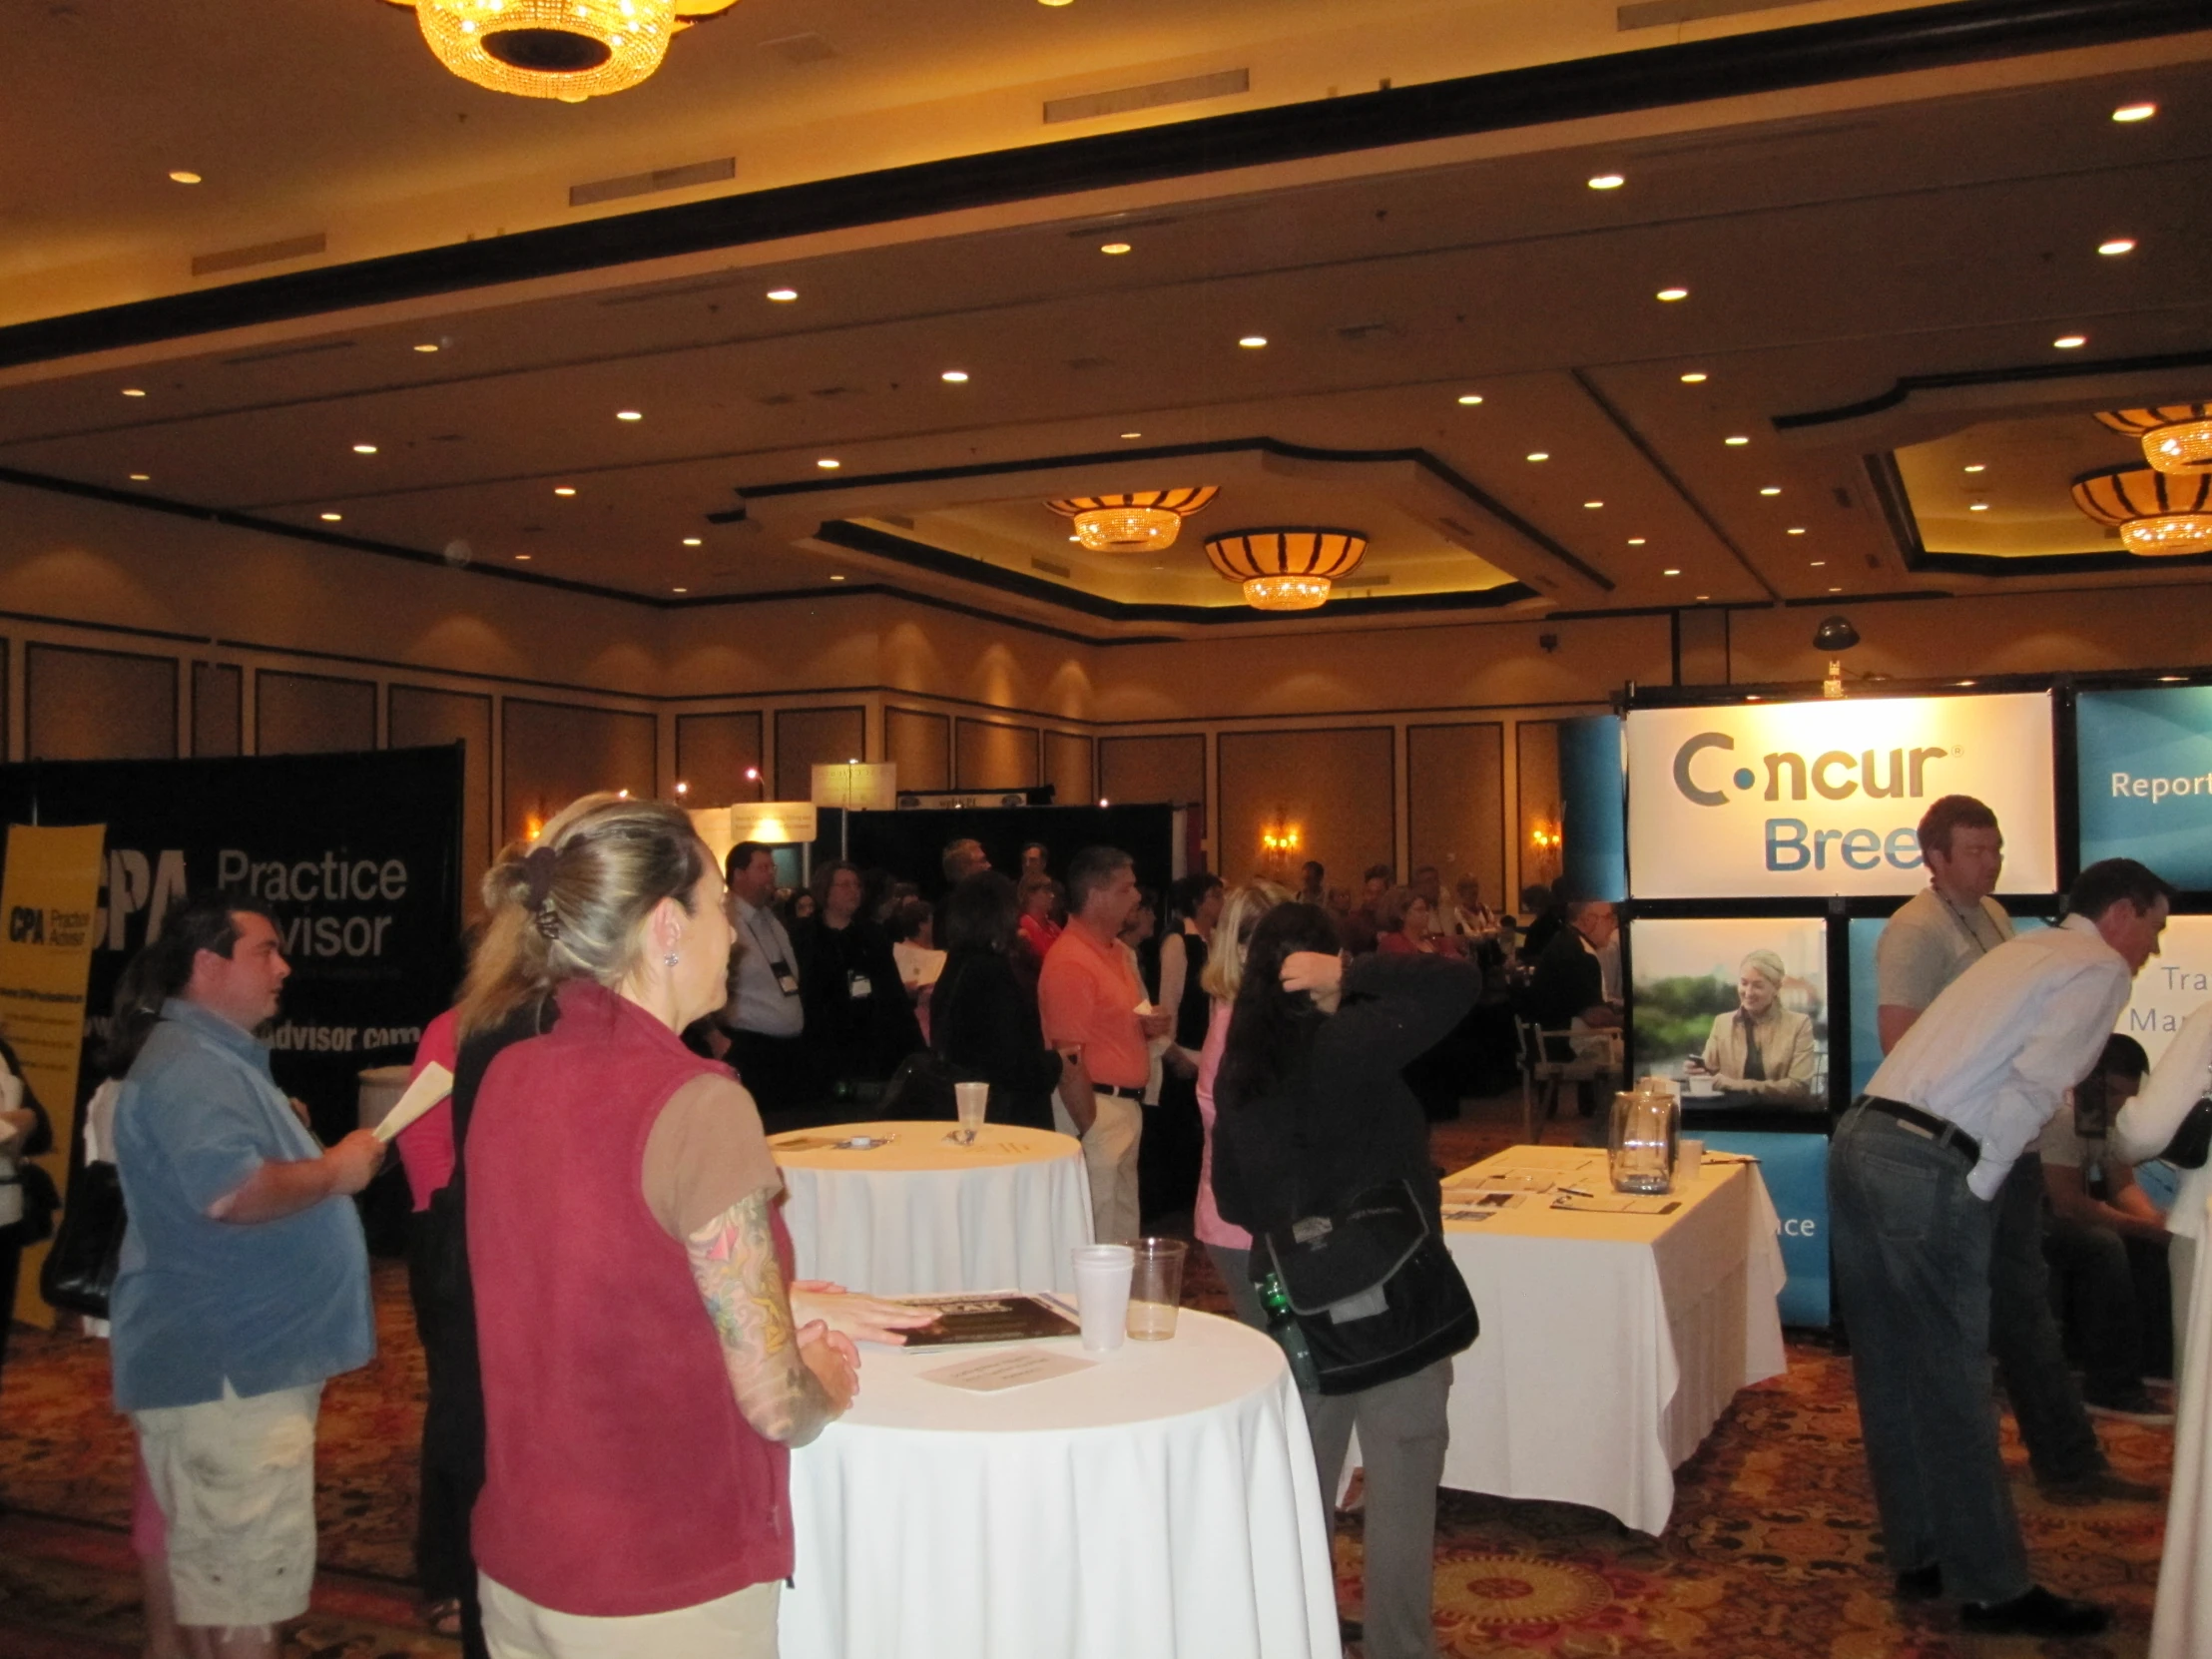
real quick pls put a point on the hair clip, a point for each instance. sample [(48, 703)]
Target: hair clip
[(538, 867)]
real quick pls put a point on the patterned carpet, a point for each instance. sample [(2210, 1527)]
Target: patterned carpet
[(1772, 1552)]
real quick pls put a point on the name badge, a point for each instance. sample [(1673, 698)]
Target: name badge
[(786, 980), (859, 984)]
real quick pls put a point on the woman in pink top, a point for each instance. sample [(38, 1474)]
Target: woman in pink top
[(1226, 1245)]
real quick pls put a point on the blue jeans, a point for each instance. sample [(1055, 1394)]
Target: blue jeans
[(1912, 1252)]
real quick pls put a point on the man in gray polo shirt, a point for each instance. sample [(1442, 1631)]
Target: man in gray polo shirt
[(244, 1282), (1934, 937), (764, 1018)]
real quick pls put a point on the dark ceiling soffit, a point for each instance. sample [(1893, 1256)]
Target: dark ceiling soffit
[(1905, 529), (1889, 43), (2020, 375), (859, 538), (1467, 487)]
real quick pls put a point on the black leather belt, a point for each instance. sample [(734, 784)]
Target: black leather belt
[(1939, 1130), (1120, 1091)]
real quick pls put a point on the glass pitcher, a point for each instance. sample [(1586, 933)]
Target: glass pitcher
[(1640, 1147)]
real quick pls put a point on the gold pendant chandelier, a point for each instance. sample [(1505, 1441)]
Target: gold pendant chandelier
[(565, 49), (2177, 437), (2156, 513), (1143, 521), (1287, 569)]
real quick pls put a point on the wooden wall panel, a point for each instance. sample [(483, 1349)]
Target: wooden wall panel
[(808, 738), (1068, 768), (920, 744), (98, 705), (420, 717), (1336, 787), (1456, 804), (218, 709), (554, 752), (714, 752), (311, 714), (996, 757), (1142, 771)]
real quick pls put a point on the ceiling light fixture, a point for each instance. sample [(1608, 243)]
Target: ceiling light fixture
[(679, 590), (783, 296), (1636, 542), (836, 578), (629, 414), (1593, 504), (1253, 343), (2118, 245), (1670, 573), (141, 477), (2177, 437), (693, 541), (1113, 248), (1126, 435), (1770, 489), (1696, 378), (828, 464), (522, 558), (1539, 454), (1977, 506), (183, 177), (954, 376), (564, 489), (364, 449), (1975, 466), (2134, 111), (1797, 530), (332, 518), (2068, 342), (134, 391), (1736, 442), (1818, 564), (1607, 181), (1671, 295), (1287, 569), (1469, 400), (1143, 521), (2156, 513), (566, 49)]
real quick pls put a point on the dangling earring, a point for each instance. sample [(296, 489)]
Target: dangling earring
[(670, 959)]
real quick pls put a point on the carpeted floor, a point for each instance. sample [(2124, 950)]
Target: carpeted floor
[(1772, 1551)]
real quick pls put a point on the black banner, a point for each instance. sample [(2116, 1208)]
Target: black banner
[(358, 856)]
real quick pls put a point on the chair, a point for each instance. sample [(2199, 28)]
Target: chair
[(1541, 1073)]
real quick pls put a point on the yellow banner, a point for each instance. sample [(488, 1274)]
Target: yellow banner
[(48, 896)]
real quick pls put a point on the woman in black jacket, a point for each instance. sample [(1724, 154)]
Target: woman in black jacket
[(1313, 1112), (982, 1019), (860, 1022)]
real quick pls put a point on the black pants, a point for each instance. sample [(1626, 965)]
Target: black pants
[(11, 1259), (778, 1072), (452, 1460), (1174, 1144)]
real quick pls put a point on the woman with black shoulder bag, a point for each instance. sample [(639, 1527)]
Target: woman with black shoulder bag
[(1322, 1152)]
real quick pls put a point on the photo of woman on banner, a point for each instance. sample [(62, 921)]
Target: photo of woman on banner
[(1760, 1048)]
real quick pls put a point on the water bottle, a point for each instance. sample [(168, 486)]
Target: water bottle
[(1283, 1327)]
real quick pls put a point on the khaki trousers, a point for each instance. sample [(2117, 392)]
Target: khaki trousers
[(1110, 1158)]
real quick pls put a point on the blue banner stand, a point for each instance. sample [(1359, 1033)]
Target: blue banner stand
[(1795, 1168)]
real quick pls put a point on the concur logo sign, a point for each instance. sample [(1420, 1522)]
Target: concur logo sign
[(1824, 798)]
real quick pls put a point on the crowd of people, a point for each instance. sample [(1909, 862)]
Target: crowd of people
[(636, 1016)]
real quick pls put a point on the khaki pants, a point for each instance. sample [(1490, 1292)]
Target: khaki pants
[(737, 1626), (1110, 1159)]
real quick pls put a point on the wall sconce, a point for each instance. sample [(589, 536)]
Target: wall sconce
[(1543, 838), (1283, 842)]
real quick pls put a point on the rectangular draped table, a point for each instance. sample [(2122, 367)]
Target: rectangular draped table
[(1610, 1344)]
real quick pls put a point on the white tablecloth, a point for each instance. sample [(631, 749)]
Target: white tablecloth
[(2181, 1626), (1160, 1504), (919, 1216), (1610, 1344)]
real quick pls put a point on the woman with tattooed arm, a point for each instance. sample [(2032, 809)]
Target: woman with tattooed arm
[(645, 1372)]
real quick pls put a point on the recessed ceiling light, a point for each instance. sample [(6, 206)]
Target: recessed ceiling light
[(2118, 245), (1770, 489), (829, 465), (522, 558), (2066, 343), (1818, 563), (364, 449), (1797, 529), (629, 414), (1736, 442), (1670, 573), (679, 590), (1977, 506), (1593, 503), (1703, 597), (427, 346), (1043, 3), (1607, 181), (183, 176), (954, 376), (1696, 378), (1673, 294), (1975, 466), (134, 391), (783, 296), (2135, 112), (1253, 343), (1132, 434), (1471, 398), (1636, 541), (693, 541), (1539, 454), (332, 518), (1113, 248), (564, 489), (141, 477), (1834, 590), (836, 578)]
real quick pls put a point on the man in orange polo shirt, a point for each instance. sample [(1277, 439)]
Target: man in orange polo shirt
[(1089, 997)]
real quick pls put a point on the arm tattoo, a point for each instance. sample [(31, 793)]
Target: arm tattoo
[(733, 1261)]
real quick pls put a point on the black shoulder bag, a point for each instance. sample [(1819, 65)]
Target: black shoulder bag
[(922, 1087), (1375, 1292), (2193, 1140)]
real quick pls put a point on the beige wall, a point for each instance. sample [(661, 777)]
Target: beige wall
[(1337, 789)]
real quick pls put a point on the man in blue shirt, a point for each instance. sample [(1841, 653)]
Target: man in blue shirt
[(244, 1280)]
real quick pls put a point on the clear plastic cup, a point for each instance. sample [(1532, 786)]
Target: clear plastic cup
[(1102, 1294), (1688, 1155), (971, 1099), (1155, 1287)]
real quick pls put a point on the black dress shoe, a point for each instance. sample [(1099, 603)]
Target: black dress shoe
[(1350, 1630), (1922, 1583), (2037, 1613)]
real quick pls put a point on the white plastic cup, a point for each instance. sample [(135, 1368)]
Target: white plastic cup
[(972, 1099), (1102, 1294), (1687, 1156)]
